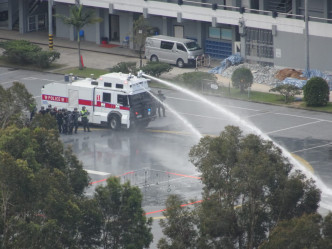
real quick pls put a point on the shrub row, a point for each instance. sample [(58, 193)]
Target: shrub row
[(23, 52)]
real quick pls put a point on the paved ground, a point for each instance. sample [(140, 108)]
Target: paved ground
[(98, 56)]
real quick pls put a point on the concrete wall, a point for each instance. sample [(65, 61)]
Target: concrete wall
[(62, 30), (292, 48)]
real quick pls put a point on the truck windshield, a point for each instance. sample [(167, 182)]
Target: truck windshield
[(140, 98), (191, 46)]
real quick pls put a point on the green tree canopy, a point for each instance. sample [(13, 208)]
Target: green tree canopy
[(15, 103), (308, 231), (287, 90), (41, 190), (242, 78), (79, 17), (248, 187), (124, 222), (316, 92)]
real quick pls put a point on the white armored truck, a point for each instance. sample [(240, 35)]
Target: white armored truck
[(115, 99)]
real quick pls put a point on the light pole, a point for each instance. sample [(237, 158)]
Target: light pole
[(306, 20), (50, 25)]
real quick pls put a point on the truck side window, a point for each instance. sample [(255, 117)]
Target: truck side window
[(166, 45), (122, 100), (179, 46), (107, 97)]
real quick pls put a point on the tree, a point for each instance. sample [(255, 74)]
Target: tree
[(124, 222), (248, 188), (316, 92), (156, 68), (141, 30), (41, 191), (179, 227), (79, 17), (195, 80), (308, 231), (15, 103), (242, 78), (287, 90)]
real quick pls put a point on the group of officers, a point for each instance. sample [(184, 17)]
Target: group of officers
[(67, 121)]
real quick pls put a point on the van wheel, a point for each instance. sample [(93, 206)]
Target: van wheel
[(114, 122), (154, 58), (180, 63)]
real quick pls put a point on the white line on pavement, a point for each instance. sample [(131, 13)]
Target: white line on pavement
[(97, 172), (311, 148), (292, 127)]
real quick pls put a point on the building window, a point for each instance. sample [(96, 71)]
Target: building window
[(221, 33), (259, 43), (119, 86)]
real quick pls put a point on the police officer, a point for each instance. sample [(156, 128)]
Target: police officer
[(85, 120), (59, 120), (42, 110), (74, 120), (160, 104), (65, 125)]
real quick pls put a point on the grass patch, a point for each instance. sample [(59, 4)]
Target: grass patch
[(327, 108), (84, 73)]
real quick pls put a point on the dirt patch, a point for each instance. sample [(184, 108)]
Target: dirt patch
[(289, 72)]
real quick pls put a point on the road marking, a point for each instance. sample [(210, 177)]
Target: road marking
[(292, 127), (97, 172), (311, 148)]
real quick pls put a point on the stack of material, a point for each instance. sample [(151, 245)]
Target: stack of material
[(289, 73), (261, 74), (234, 59)]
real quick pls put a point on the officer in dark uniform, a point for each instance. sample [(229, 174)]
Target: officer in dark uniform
[(74, 120), (59, 120), (42, 110), (160, 104)]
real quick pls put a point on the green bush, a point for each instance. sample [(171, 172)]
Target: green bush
[(288, 91), (156, 68), (23, 52), (316, 92), (242, 78), (194, 80), (124, 67)]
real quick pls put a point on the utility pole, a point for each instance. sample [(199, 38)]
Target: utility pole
[(50, 25), (306, 20)]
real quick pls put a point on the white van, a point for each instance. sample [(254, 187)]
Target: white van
[(172, 50)]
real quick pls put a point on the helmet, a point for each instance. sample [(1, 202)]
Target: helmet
[(83, 107), (49, 106), (75, 108)]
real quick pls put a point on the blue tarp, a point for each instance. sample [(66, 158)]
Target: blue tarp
[(234, 59), (294, 82)]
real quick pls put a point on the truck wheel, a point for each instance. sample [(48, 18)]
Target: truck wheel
[(180, 63), (114, 122), (154, 58)]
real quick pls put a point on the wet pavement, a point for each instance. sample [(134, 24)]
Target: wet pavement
[(156, 159)]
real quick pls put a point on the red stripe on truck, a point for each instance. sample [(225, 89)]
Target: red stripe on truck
[(84, 102)]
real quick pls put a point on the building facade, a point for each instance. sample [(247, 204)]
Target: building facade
[(270, 32)]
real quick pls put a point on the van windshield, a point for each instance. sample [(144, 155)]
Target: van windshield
[(191, 46)]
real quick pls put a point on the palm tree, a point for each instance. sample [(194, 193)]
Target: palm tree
[(79, 17)]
